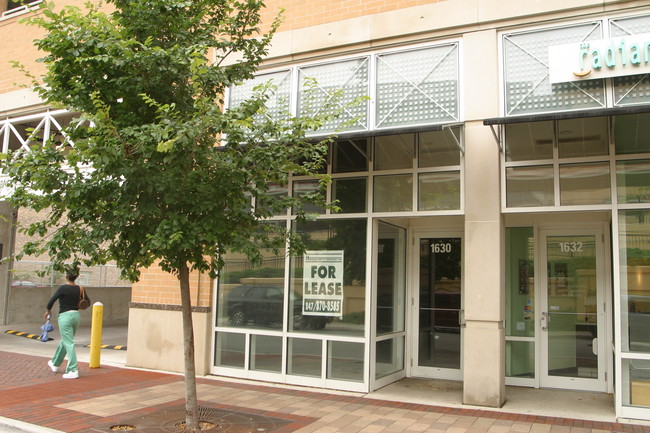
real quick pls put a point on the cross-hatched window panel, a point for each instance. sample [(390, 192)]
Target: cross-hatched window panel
[(278, 103), (528, 88), (333, 87), (418, 87), (634, 89)]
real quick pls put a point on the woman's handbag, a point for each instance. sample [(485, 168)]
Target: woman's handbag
[(83, 302)]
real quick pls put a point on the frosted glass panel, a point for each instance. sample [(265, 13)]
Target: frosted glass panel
[(418, 87), (278, 104), (636, 88), (339, 83), (528, 89)]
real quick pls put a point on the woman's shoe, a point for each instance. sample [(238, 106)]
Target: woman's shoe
[(71, 375), (54, 368)]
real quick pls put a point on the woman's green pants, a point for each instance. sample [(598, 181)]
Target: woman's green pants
[(68, 324)]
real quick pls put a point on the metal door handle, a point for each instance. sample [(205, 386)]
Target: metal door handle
[(544, 320)]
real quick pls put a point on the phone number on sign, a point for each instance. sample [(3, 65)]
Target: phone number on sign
[(320, 306)]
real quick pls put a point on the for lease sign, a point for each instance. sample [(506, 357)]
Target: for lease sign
[(322, 287)]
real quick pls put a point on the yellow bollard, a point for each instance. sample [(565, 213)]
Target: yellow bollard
[(96, 334)]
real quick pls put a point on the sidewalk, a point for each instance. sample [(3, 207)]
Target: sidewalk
[(114, 398)]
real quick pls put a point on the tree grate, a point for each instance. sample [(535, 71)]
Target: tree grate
[(171, 419)]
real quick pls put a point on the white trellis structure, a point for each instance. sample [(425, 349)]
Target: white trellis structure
[(20, 133)]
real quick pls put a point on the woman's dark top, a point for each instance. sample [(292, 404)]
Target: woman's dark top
[(68, 297)]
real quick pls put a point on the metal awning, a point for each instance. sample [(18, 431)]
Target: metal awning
[(635, 109)]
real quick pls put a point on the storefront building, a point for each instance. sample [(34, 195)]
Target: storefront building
[(495, 208)]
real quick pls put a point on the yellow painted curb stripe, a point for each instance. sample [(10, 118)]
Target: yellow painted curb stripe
[(24, 334), (109, 346)]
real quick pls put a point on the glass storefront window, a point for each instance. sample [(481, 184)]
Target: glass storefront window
[(348, 236), (305, 357), (520, 282), (230, 349), (393, 193), (529, 186), (637, 373), (579, 138), (632, 133), (584, 184), (274, 204), (633, 181), (438, 149), (345, 361), (529, 141), (394, 152), (391, 279), (250, 296), (302, 187), (390, 357), (350, 194), (634, 238), (350, 156), (266, 353), (520, 359), (439, 191)]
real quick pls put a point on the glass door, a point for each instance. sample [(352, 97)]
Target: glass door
[(573, 311), (438, 307), (390, 304)]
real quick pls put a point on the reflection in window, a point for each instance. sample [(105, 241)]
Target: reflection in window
[(529, 186), (438, 148), (302, 187), (520, 359), (529, 141), (634, 237), (637, 373), (582, 184), (349, 236), (345, 361), (266, 353), (350, 194), (390, 356), (230, 349), (393, 193), (391, 278), (274, 203), (350, 156), (394, 152), (632, 133), (633, 181), (305, 357), (250, 296), (439, 191), (520, 282), (583, 137)]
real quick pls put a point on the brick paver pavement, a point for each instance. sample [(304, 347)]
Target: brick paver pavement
[(111, 396)]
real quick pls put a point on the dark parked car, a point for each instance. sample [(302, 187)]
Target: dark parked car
[(262, 304)]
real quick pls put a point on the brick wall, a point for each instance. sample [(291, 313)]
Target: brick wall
[(300, 14), (159, 287)]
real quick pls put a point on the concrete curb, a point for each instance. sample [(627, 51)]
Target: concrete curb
[(12, 425)]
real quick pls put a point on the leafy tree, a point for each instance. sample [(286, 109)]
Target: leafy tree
[(154, 170)]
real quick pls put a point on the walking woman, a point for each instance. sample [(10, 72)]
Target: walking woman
[(68, 296)]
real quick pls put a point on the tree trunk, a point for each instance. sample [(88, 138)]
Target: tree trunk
[(191, 404)]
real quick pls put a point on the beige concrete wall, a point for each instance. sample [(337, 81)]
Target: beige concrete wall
[(155, 340), (484, 334)]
